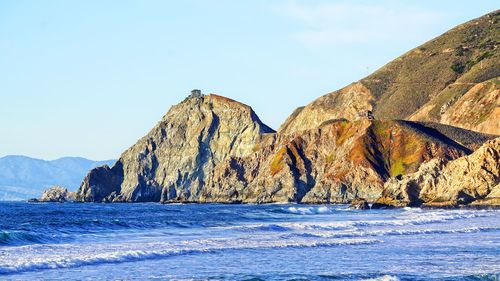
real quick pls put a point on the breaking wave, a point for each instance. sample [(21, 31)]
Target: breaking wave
[(64, 256)]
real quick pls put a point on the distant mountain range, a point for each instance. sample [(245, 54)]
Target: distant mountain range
[(23, 177)]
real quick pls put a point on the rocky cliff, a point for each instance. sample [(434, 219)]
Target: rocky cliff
[(334, 163), (211, 149), (344, 146), (452, 79), (472, 179), (172, 162)]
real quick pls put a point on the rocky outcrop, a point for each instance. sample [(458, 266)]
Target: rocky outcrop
[(359, 204), (452, 79), (478, 109), (56, 194), (335, 163), (472, 179), (172, 162)]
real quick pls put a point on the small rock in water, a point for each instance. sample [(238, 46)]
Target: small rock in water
[(359, 204), (56, 194)]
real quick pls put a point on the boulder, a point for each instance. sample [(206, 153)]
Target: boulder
[(56, 194), (359, 204)]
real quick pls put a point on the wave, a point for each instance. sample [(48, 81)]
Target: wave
[(415, 218), (390, 232), (17, 238), (307, 210), (383, 278), (70, 256)]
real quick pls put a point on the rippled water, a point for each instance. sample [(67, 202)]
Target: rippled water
[(245, 242)]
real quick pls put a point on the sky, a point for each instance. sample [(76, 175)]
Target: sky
[(90, 77)]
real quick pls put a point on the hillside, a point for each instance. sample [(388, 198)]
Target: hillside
[(23, 177), (452, 79)]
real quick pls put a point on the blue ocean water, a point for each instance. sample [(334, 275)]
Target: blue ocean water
[(245, 242)]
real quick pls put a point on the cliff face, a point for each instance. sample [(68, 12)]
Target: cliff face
[(470, 179), (172, 161), (335, 163), (452, 79)]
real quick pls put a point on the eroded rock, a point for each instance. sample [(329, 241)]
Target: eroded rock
[(56, 194), (472, 179)]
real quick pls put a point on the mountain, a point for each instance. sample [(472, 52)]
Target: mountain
[(452, 79), (368, 140), (173, 161), (213, 149), (23, 177)]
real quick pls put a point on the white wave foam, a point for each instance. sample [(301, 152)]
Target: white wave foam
[(39, 257), (308, 210), (389, 232), (383, 278), (411, 218)]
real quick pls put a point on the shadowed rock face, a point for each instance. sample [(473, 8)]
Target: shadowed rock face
[(172, 162), (470, 179), (452, 79)]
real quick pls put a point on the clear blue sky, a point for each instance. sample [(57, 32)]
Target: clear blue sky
[(88, 78)]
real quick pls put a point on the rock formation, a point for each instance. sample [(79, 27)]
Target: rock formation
[(335, 163), (56, 194), (470, 179), (173, 161), (359, 204), (343, 146), (452, 79)]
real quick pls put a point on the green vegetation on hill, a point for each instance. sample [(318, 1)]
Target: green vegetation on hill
[(448, 65), (452, 79)]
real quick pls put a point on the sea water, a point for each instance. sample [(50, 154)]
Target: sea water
[(245, 242)]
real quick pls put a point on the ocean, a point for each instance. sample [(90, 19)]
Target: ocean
[(72, 241)]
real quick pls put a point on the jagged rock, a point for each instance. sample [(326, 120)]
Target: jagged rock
[(56, 194), (172, 162), (359, 204), (472, 179)]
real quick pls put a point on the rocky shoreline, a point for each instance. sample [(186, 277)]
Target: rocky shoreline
[(377, 140)]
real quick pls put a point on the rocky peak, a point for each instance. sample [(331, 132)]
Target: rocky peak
[(173, 160)]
